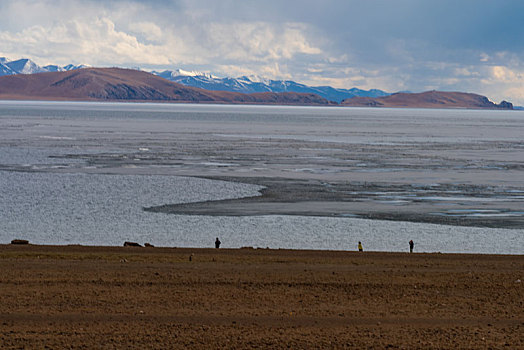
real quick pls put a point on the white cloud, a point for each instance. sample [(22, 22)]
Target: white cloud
[(263, 70), (517, 94), (132, 33), (258, 41), (505, 74), (96, 41), (149, 30), (465, 72), (503, 82)]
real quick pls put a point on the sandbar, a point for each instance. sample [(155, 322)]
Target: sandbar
[(445, 204)]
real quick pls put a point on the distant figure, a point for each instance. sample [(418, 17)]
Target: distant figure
[(411, 245), (360, 249), (217, 243)]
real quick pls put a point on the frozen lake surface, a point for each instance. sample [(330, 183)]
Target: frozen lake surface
[(81, 173)]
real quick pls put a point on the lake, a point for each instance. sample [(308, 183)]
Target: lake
[(81, 173)]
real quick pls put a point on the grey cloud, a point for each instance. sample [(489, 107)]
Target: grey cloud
[(393, 45)]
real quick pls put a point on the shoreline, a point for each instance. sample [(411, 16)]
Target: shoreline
[(72, 248), (310, 197), (331, 104)]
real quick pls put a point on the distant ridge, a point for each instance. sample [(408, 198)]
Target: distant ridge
[(206, 81), (117, 84), (250, 84), (206, 88), (428, 99), (27, 66)]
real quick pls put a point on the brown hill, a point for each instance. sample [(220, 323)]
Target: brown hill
[(116, 84), (428, 99)]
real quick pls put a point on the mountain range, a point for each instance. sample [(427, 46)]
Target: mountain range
[(27, 66), (118, 84), (244, 84), (24, 79), (250, 84)]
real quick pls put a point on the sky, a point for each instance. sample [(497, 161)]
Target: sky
[(394, 45)]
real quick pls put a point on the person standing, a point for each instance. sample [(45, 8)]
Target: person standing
[(411, 245), (217, 243), (360, 249)]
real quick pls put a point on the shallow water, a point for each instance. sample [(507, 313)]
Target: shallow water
[(80, 173)]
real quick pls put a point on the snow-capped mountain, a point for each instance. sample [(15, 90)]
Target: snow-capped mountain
[(73, 67), (243, 84), (170, 75), (250, 84), (55, 68), (5, 70), (24, 66), (27, 66)]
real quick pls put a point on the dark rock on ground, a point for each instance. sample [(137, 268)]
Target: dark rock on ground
[(19, 241)]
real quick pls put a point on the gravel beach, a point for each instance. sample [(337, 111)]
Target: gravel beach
[(160, 298)]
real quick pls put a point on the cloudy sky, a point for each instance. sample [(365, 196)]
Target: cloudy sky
[(393, 45)]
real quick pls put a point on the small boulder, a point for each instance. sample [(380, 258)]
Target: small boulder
[(19, 241), (149, 245)]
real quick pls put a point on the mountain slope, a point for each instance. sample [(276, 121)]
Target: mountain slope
[(24, 66), (27, 66), (5, 70), (116, 84), (428, 99), (246, 84), (19, 81)]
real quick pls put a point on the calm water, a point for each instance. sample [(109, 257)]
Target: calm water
[(80, 173)]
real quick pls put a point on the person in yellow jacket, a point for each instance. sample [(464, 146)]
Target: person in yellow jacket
[(360, 249)]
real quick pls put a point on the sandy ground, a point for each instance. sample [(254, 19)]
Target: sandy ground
[(116, 297)]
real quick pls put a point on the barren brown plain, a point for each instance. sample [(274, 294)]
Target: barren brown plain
[(139, 298)]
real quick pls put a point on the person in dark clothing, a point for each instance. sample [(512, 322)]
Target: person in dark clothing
[(217, 243), (411, 245)]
